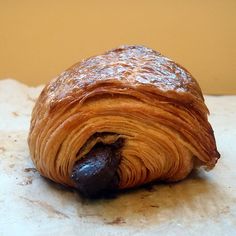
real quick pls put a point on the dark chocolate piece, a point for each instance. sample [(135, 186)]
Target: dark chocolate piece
[(96, 172)]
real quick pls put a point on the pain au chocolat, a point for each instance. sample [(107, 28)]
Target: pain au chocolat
[(121, 119)]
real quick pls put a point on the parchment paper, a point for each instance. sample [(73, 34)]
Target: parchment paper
[(203, 204)]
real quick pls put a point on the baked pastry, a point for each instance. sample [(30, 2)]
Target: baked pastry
[(119, 120)]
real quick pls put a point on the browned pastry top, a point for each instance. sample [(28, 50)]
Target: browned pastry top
[(130, 66)]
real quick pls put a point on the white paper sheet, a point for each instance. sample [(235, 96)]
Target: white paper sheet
[(203, 204)]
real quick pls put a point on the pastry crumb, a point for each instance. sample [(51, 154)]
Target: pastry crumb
[(116, 221), (2, 149), (14, 113), (29, 169)]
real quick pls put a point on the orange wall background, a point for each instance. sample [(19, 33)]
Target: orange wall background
[(39, 39)]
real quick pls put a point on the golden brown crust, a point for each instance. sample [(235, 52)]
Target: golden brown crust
[(136, 88)]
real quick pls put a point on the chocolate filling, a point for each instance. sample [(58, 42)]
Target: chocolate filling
[(96, 172)]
